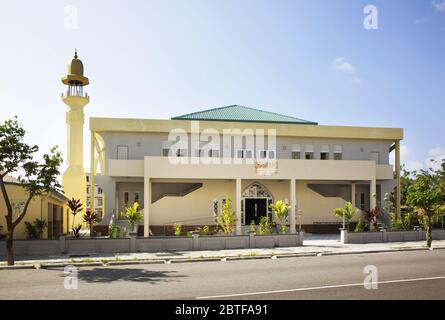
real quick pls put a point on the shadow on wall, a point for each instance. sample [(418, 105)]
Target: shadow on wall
[(105, 275)]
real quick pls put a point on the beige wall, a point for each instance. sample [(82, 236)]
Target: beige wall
[(197, 207)]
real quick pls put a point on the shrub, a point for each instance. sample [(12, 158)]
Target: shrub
[(133, 215), (264, 226), (361, 225), (91, 219), (76, 231), (226, 220), (205, 231), (40, 225), (114, 231), (31, 230), (346, 213), (178, 229), (280, 210)]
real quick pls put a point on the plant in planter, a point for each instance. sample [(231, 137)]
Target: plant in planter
[(114, 231), (133, 216), (75, 206), (91, 219), (346, 213), (40, 225), (280, 210), (361, 225), (226, 220), (372, 217), (31, 231), (76, 231), (264, 226), (253, 227), (178, 229)]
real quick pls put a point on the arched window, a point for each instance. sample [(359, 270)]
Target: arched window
[(256, 190)]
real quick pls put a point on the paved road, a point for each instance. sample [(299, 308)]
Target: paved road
[(401, 275)]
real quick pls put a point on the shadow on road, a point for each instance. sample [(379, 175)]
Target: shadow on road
[(107, 274)]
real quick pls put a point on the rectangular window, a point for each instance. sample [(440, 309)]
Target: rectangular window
[(126, 198), (296, 155), (324, 152), (247, 154), (338, 152), (309, 154), (165, 152), (362, 201), (262, 154), (136, 197), (271, 154), (99, 190), (122, 152)]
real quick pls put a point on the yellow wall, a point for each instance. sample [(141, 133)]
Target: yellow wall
[(38, 209)]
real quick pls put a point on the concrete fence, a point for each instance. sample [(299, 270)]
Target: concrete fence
[(388, 236), (152, 244)]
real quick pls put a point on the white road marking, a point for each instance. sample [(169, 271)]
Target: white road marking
[(316, 288)]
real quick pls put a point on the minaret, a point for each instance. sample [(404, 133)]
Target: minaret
[(74, 178)]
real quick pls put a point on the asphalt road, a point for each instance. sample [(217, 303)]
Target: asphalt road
[(400, 275)]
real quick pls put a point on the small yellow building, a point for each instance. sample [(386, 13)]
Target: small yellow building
[(51, 207)]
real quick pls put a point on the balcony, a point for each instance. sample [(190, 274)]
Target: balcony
[(199, 168)]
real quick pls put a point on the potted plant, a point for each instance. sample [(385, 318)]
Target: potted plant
[(280, 210), (346, 214), (133, 216)]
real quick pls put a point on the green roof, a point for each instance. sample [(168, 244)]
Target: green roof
[(241, 114)]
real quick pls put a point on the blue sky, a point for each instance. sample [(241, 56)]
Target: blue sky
[(155, 59)]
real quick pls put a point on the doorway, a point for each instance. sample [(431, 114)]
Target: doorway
[(255, 209)]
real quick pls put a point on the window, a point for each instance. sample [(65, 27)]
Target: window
[(126, 198), (362, 201), (88, 189), (122, 152), (375, 157), (88, 178), (136, 197), (215, 207), (324, 152), (296, 155), (262, 154), (309, 152), (271, 154), (296, 151), (99, 190), (338, 152), (165, 152)]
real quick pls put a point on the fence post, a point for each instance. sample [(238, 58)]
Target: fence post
[(62, 244), (133, 243), (300, 237), (195, 240), (384, 235), (344, 235), (252, 239)]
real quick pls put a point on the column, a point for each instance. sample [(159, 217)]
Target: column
[(397, 178), (92, 174), (293, 205), (373, 194), (147, 201), (238, 206), (353, 195)]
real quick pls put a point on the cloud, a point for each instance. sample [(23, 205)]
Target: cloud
[(433, 158), (439, 6), (342, 66)]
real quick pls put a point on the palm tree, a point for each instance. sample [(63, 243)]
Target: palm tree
[(75, 207)]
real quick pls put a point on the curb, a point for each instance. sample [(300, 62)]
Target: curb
[(207, 259)]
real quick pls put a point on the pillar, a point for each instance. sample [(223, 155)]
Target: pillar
[(354, 205), (92, 174), (293, 205), (238, 206), (373, 194), (147, 201), (397, 150)]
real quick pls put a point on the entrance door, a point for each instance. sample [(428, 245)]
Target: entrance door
[(254, 210)]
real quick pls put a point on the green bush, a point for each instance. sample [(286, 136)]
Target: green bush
[(114, 231), (361, 225), (264, 226), (31, 230), (178, 229), (227, 219)]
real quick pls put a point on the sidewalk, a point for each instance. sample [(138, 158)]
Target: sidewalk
[(312, 247)]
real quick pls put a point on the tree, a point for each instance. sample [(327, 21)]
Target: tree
[(75, 206), (226, 220), (91, 219), (427, 196), (346, 213), (37, 179)]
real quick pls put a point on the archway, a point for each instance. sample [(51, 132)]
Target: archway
[(255, 202)]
